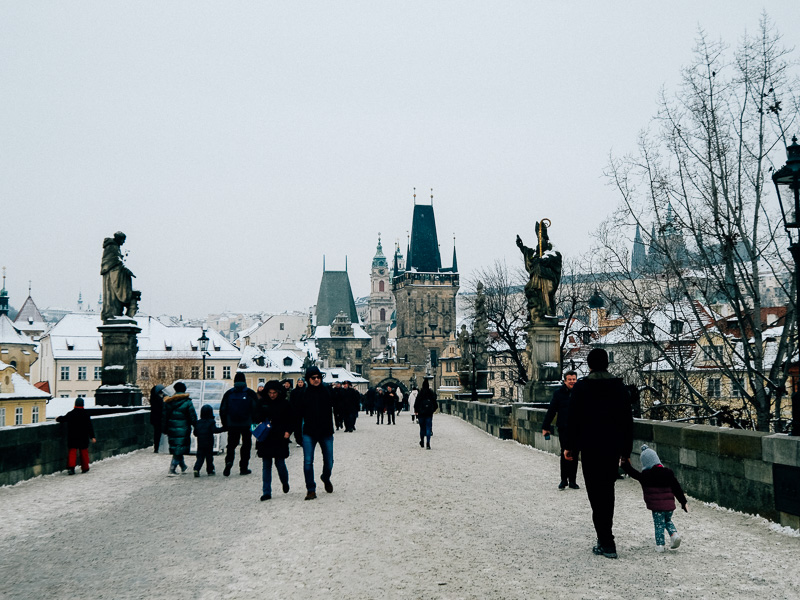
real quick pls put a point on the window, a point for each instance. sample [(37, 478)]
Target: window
[(648, 355), (611, 356), (587, 336), (210, 372), (35, 414), (711, 351), (491, 374), (648, 328), (380, 289), (282, 326), (358, 353), (261, 381), (162, 372), (81, 373), (195, 372), (676, 327), (145, 371), (14, 364), (502, 374), (713, 387), (338, 353), (736, 389), (383, 314), (2, 417), (675, 388), (502, 392), (64, 373), (18, 416), (98, 373), (383, 340), (226, 372), (287, 362), (64, 396), (81, 396)]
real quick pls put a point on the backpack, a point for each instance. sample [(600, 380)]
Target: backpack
[(238, 406), (426, 406)]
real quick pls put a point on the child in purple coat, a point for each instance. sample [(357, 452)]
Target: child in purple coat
[(660, 488)]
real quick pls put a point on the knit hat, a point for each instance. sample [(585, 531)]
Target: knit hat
[(238, 377), (179, 387), (649, 458), (597, 360), (79, 402)]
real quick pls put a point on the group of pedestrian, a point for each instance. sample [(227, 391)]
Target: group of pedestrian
[(385, 400), (595, 422)]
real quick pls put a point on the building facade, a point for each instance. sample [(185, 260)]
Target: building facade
[(381, 303)]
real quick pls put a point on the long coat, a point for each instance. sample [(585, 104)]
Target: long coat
[(177, 420), (316, 410), (279, 413), (79, 428)]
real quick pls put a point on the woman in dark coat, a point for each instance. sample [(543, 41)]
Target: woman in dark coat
[(177, 419), (156, 406), (424, 407), (274, 407)]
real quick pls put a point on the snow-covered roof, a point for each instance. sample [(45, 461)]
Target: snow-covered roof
[(662, 318), (324, 332), (58, 407), (10, 333), (76, 336), (22, 388), (341, 374), (276, 360)]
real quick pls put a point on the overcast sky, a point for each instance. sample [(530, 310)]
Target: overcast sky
[(236, 143)]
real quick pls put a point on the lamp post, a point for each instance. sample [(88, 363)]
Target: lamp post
[(203, 341), (473, 350), (787, 184)]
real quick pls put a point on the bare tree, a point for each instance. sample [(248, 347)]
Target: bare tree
[(695, 192)]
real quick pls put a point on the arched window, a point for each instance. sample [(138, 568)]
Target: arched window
[(380, 288), (383, 313), (383, 340)]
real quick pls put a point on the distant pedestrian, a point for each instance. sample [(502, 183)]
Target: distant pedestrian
[(351, 401), (424, 407), (79, 433), (274, 408), (316, 410), (412, 400), (390, 402), (660, 488), (294, 401), (204, 431), (338, 411), (369, 402), (601, 428), (156, 406), (177, 420), (379, 401), (559, 409), (236, 412)]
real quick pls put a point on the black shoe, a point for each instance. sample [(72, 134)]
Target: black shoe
[(328, 486), (607, 552), (227, 470), (421, 443), (266, 497), (574, 486), (562, 485), (244, 471), (71, 471), (428, 446), (311, 496), (210, 473), (196, 473), (285, 488)]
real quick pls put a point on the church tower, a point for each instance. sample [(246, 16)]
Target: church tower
[(381, 301), (425, 296)]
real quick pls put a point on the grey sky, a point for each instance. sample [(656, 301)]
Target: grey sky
[(236, 143)]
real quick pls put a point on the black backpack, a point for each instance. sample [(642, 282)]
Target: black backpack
[(239, 406)]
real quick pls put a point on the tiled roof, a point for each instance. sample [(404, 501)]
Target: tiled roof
[(335, 296)]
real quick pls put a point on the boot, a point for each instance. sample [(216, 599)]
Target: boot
[(227, 470)]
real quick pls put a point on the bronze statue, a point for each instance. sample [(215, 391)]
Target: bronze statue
[(118, 292), (544, 268)]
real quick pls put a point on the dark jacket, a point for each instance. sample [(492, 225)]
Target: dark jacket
[(238, 412), (379, 401), (659, 487), (559, 407), (177, 420), (425, 404), (206, 427), (600, 420), (316, 411), (156, 405), (390, 401), (79, 428), (279, 413), (351, 400)]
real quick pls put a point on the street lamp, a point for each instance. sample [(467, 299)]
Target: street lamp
[(203, 341), (787, 184), (472, 342)]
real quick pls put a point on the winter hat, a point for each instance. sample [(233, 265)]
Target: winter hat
[(179, 387), (649, 458), (79, 402), (597, 360), (239, 377), (207, 412), (274, 384), (311, 371)]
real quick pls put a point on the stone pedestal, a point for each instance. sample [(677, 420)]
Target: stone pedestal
[(544, 352), (119, 364)]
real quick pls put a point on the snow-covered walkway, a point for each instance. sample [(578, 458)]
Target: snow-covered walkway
[(475, 517)]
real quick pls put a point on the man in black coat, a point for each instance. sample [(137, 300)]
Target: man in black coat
[(79, 432), (601, 428), (156, 406), (315, 408), (236, 413), (351, 402), (559, 408)]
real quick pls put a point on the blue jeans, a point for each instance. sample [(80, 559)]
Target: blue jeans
[(266, 473), (309, 445), (425, 427)]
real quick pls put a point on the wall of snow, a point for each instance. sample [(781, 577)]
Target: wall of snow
[(733, 468), (28, 451)]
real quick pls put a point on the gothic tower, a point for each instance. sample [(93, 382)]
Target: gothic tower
[(381, 301), (425, 296)]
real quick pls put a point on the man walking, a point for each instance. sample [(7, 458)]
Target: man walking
[(559, 408), (236, 413), (315, 409), (600, 426)]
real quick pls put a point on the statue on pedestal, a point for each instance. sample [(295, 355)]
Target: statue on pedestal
[(118, 293), (543, 265)]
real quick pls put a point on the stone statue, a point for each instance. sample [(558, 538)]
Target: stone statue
[(544, 268), (118, 292)]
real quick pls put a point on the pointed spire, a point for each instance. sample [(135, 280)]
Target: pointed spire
[(29, 287), (323, 263), (415, 196), (455, 261), (345, 263), (431, 196)]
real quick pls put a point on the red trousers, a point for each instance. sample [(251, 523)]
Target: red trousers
[(84, 458)]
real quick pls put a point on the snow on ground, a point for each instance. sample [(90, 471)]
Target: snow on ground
[(475, 517)]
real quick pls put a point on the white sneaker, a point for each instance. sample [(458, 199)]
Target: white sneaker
[(674, 540), (661, 548)]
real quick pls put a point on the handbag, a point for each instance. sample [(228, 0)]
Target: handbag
[(261, 431)]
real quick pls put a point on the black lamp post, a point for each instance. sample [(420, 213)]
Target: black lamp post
[(203, 341), (787, 184), (473, 350)]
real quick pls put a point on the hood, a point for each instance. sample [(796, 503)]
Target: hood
[(176, 398), (207, 412)]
